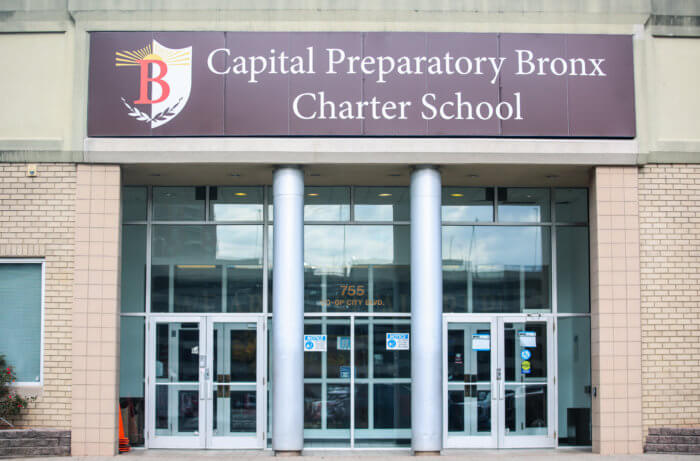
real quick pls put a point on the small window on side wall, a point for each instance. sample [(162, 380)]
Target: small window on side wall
[(21, 286)]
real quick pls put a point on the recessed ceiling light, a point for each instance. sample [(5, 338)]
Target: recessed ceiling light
[(385, 194), (456, 195), (312, 194), (235, 175), (472, 175), (240, 194)]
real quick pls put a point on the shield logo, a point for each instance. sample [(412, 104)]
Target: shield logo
[(165, 82)]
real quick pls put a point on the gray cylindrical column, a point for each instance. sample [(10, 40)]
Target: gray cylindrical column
[(288, 311), (426, 311)]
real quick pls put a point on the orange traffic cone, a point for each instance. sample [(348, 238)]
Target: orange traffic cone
[(123, 441)]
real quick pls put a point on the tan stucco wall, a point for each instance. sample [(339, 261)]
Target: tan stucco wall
[(669, 215), (676, 93), (37, 220), (34, 95)]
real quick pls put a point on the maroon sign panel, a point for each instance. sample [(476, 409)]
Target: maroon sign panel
[(360, 84)]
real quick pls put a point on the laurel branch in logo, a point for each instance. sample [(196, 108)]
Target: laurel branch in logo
[(162, 116)]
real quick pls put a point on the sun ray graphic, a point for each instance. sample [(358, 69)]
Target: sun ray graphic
[(131, 58)]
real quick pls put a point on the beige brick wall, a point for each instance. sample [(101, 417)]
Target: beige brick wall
[(615, 311), (37, 218), (669, 213), (96, 311)]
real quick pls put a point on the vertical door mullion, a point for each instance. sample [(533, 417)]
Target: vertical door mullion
[(352, 381), (552, 398), (500, 357), (203, 384)]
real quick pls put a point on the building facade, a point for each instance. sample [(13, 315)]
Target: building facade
[(305, 226)]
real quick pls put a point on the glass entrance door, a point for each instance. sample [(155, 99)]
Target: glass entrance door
[(235, 381), (498, 382), (206, 382)]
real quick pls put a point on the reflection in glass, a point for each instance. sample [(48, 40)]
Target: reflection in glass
[(177, 410), (236, 203), (526, 410), (521, 204), (467, 204), (338, 406), (574, 380), (134, 200), (133, 268), (382, 204), (356, 268), (179, 203), (197, 268), (495, 269), (326, 204), (312, 406), (571, 205), (572, 270)]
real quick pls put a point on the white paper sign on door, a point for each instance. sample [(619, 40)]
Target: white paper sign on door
[(397, 341), (315, 343), (527, 338), (481, 342)]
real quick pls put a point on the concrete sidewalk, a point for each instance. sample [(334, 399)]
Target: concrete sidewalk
[(375, 455)]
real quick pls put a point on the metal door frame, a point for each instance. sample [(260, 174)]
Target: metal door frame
[(237, 442), (528, 441), (498, 439), (152, 439), (205, 439), (490, 441)]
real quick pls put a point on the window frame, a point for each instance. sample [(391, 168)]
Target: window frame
[(42, 262)]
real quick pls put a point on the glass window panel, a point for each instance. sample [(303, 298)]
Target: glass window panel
[(326, 204), (20, 319), (467, 204), (312, 406), (382, 204), (178, 203), (390, 363), (571, 205), (496, 269), (236, 203), (134, 200), (521, 204), (131, 378), (131, 357), (392, 406), (338, 406), (572, 270), (574, 380), (313, 361), (133, 271), (357, 268), (189, 264)]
